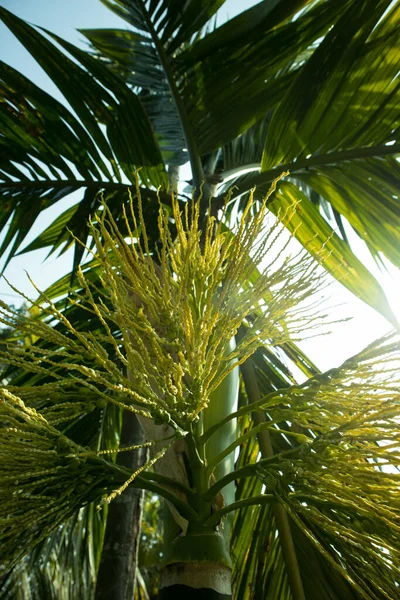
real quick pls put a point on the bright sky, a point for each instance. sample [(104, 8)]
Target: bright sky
[(64, 18)]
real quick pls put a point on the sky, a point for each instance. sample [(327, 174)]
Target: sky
[(64, 18)]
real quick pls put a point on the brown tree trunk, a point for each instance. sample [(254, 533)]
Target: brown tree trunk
[(117, 571)]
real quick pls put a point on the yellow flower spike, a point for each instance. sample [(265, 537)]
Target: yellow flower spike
[(179, 307)]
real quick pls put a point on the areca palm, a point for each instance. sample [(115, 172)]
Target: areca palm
[(308, 87)]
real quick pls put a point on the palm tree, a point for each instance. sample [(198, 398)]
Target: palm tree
[(308, 87)]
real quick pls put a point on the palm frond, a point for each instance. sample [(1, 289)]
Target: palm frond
[(163, 27), (47, 152), (345, 89), (133, 57), (237, 74), (336, 128)]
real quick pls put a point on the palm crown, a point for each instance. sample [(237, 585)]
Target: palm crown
[(304, 87)]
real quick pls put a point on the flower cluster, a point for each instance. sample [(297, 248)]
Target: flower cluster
[(176, 309)]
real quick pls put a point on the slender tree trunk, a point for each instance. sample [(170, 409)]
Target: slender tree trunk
[(116, 575)]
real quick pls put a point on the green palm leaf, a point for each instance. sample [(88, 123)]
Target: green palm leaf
[(64, 566), (346, 85), (87, 95), (48, 153), (224, 93), (338, 141), (338, 121), (132, 56), (314, 233), (364, 192)]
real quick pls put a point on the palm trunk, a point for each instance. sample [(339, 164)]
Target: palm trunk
[(198, 567), (116, 575), (198, 564)]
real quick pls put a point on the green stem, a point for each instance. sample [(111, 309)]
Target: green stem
[(262, 426), (199, 474), (164, 480), (247, 471), (184, 509), (146, 481), (264, 402), (313, 161), (261, 405), (281, 517), (253, 431), (216, 517)]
